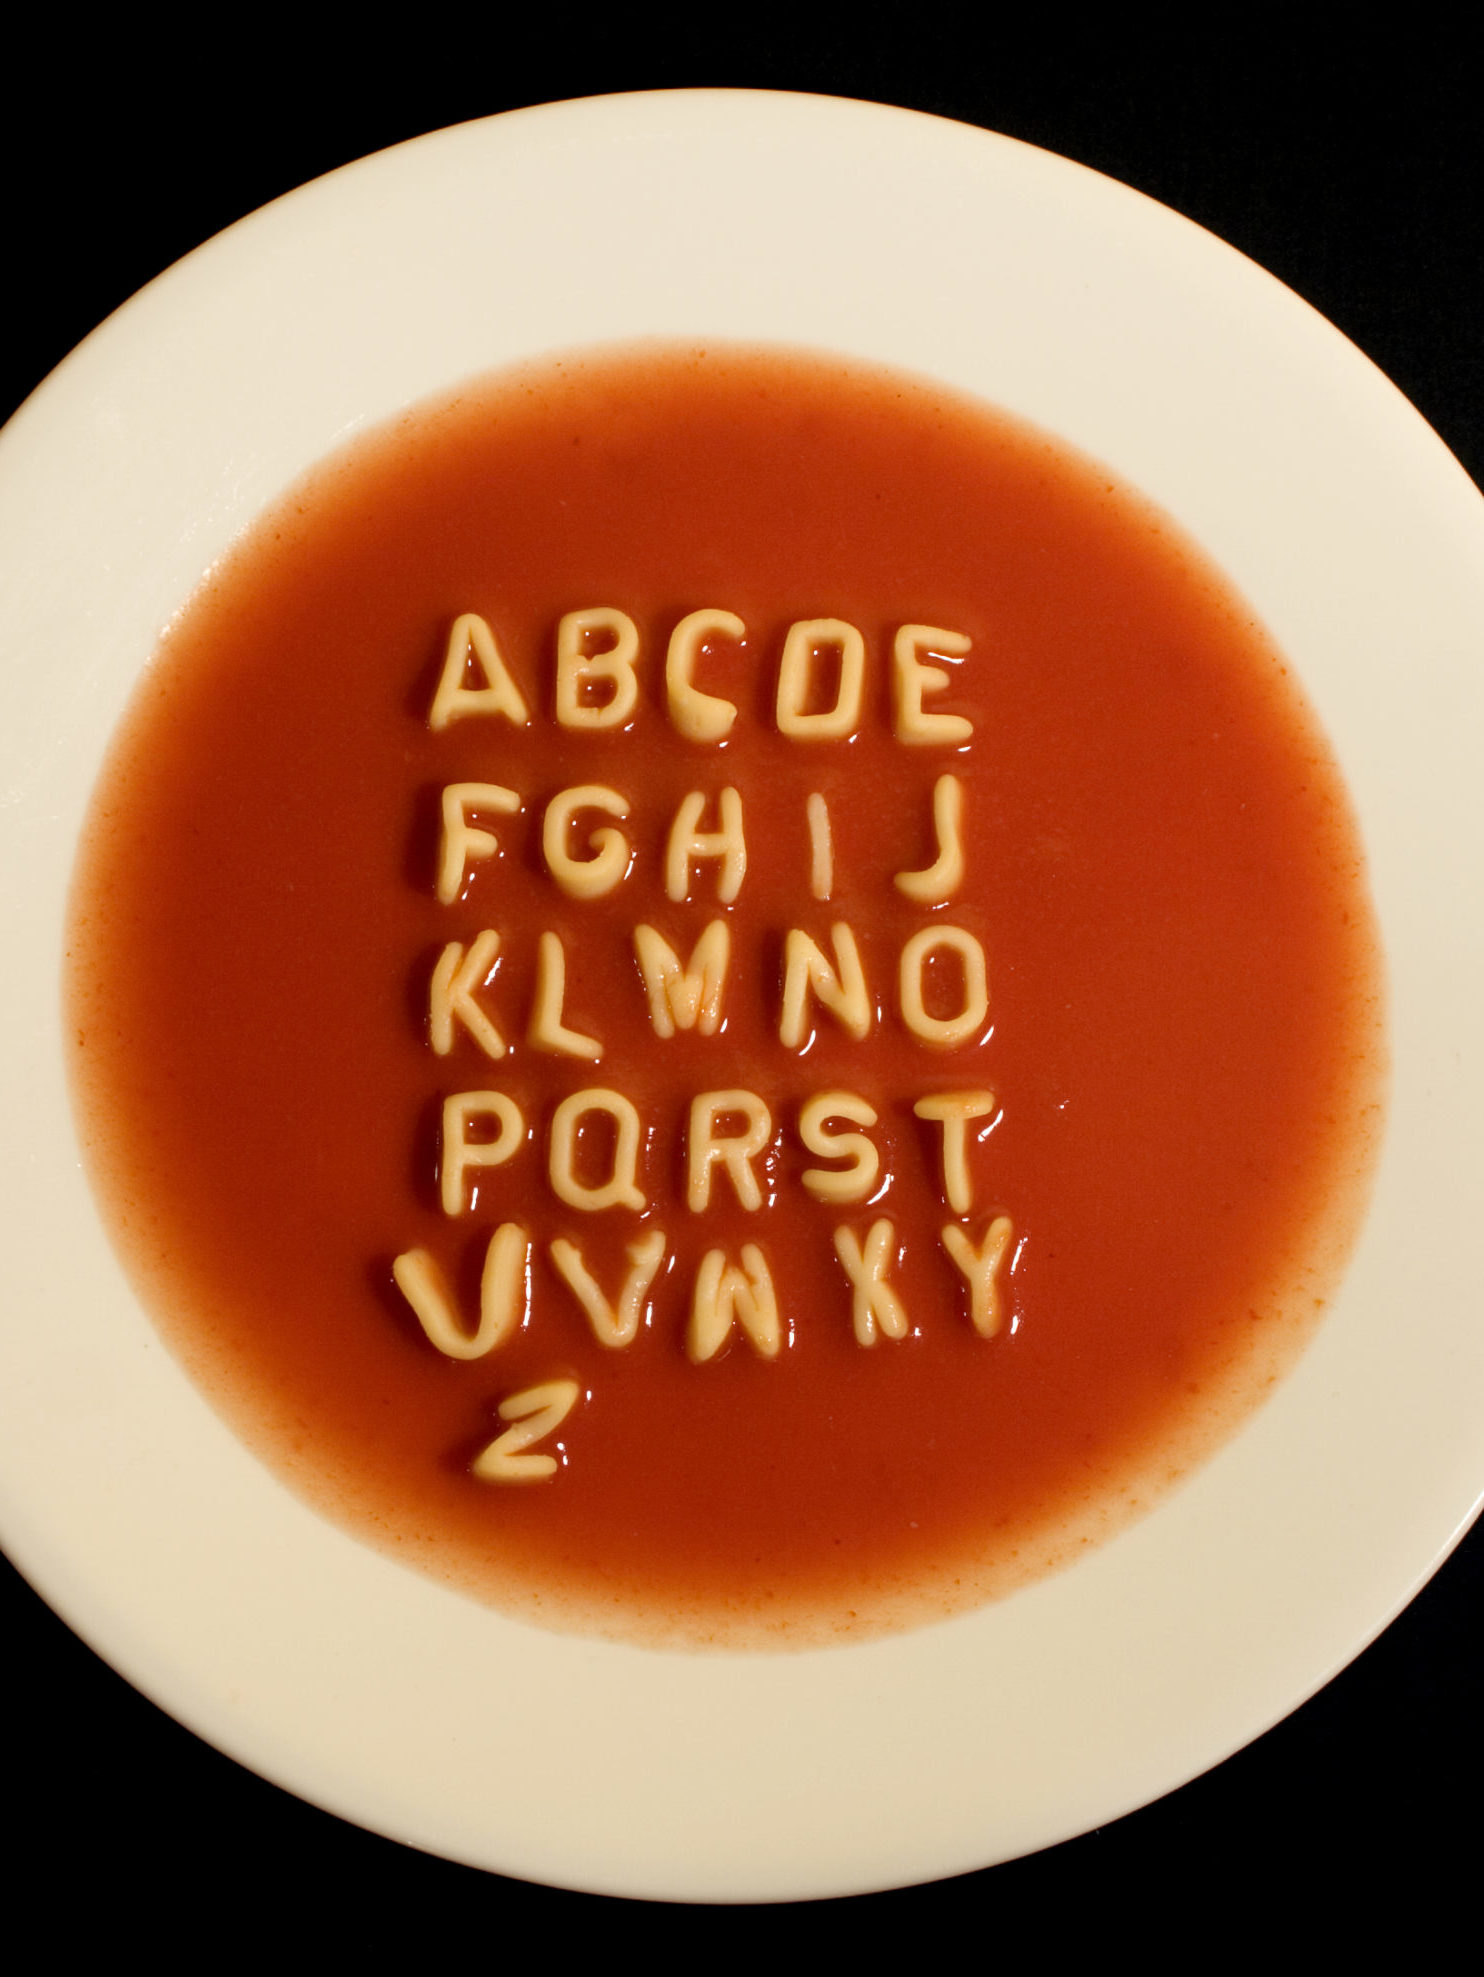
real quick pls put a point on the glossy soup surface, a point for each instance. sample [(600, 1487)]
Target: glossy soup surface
[(1162, 874)]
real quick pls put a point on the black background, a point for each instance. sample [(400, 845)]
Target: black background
[(1353, 172)]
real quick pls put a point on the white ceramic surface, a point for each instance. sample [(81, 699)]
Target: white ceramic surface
[(1075, 303)]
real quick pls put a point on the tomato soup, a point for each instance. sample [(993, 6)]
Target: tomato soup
[(723, 997)]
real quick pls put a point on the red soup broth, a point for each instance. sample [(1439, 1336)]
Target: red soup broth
[(1162, 873)]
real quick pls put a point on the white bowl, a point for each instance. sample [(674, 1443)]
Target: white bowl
[(1146, 343)]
